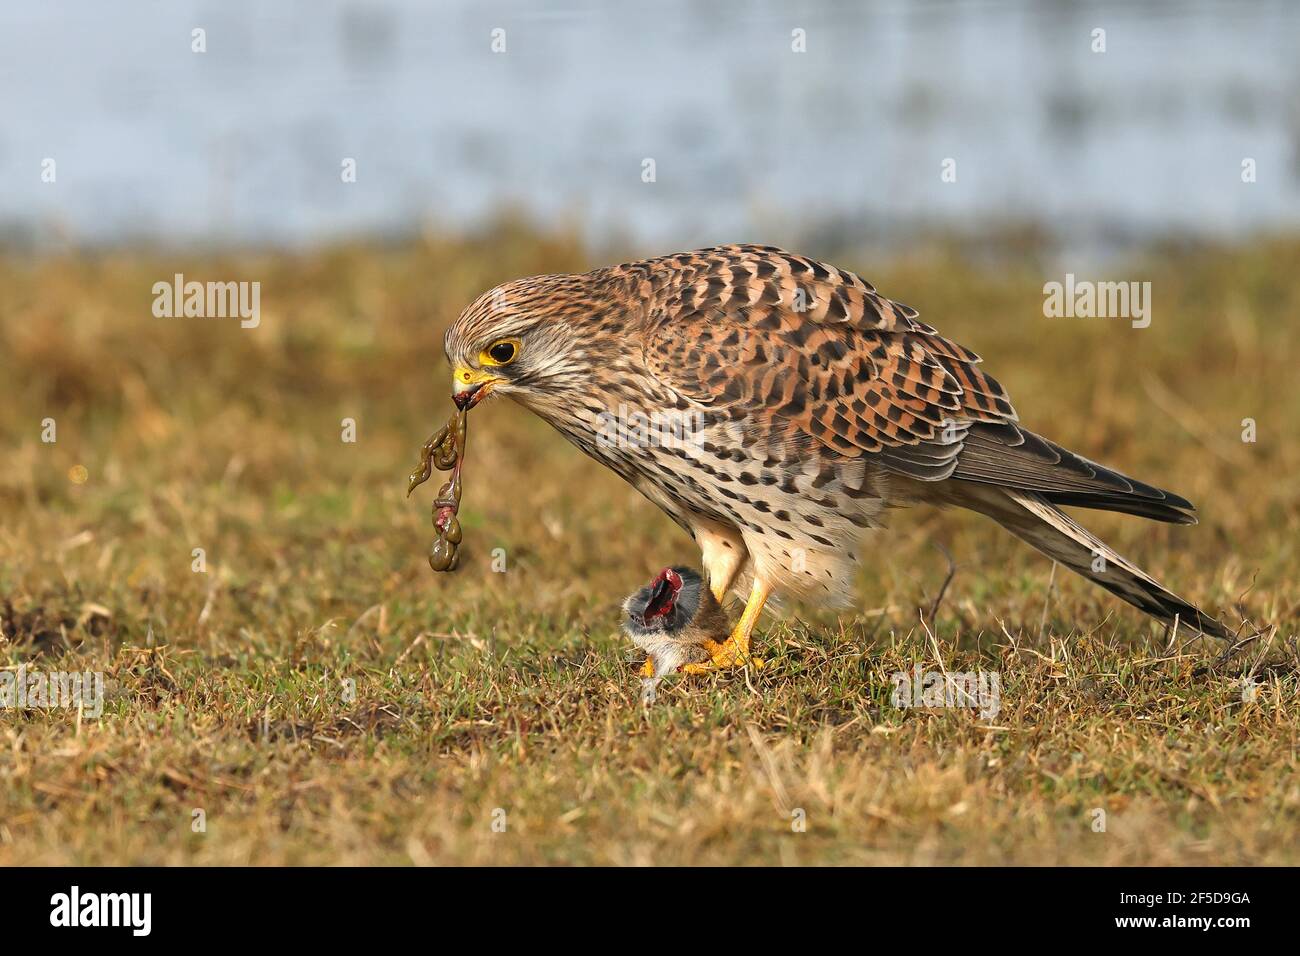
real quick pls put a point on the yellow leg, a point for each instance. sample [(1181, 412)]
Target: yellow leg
[(648, 668), (722, 551), (734, 651)]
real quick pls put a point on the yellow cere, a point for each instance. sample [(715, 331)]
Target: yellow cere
[(472, 376)]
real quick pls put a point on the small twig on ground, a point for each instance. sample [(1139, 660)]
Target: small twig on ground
[(419, 639), (1047, 602), (1229, 653), (1173, 636), (952, 569)]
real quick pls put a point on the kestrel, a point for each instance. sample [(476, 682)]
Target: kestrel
[(815, 405)]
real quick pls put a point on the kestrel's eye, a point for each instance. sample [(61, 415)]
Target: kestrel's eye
[(501, 352)]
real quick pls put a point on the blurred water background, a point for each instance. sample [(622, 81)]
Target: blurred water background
[(243, 144)]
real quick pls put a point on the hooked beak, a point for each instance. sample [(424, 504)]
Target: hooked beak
[(470, 386)]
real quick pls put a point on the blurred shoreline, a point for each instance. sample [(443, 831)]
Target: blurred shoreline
[(845, 140), (1020, 247)]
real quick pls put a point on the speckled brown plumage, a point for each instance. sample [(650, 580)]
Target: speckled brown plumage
[(816, 403)]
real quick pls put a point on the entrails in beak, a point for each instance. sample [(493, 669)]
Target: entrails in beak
[(470, 386), (467, 398)]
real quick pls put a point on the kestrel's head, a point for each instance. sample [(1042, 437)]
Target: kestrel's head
[(526, 339)]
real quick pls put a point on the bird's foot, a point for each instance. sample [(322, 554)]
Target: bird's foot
[(730, 653)]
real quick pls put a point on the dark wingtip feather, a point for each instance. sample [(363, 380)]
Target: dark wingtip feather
[(1008, 455), (1142, 508)]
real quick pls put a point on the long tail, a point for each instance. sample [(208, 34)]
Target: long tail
[(1029, 516)]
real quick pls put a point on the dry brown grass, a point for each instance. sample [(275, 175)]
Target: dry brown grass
[(481, 691)]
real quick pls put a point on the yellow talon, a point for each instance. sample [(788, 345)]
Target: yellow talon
[(734, 651)]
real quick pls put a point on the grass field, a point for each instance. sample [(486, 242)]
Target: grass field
[(322, 697)]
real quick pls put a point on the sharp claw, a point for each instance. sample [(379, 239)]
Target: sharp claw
[(722, 657)]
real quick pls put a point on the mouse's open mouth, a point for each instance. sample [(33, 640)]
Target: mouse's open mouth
[(663, 596)]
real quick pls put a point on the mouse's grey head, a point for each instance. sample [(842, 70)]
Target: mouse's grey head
[(665, 605)]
